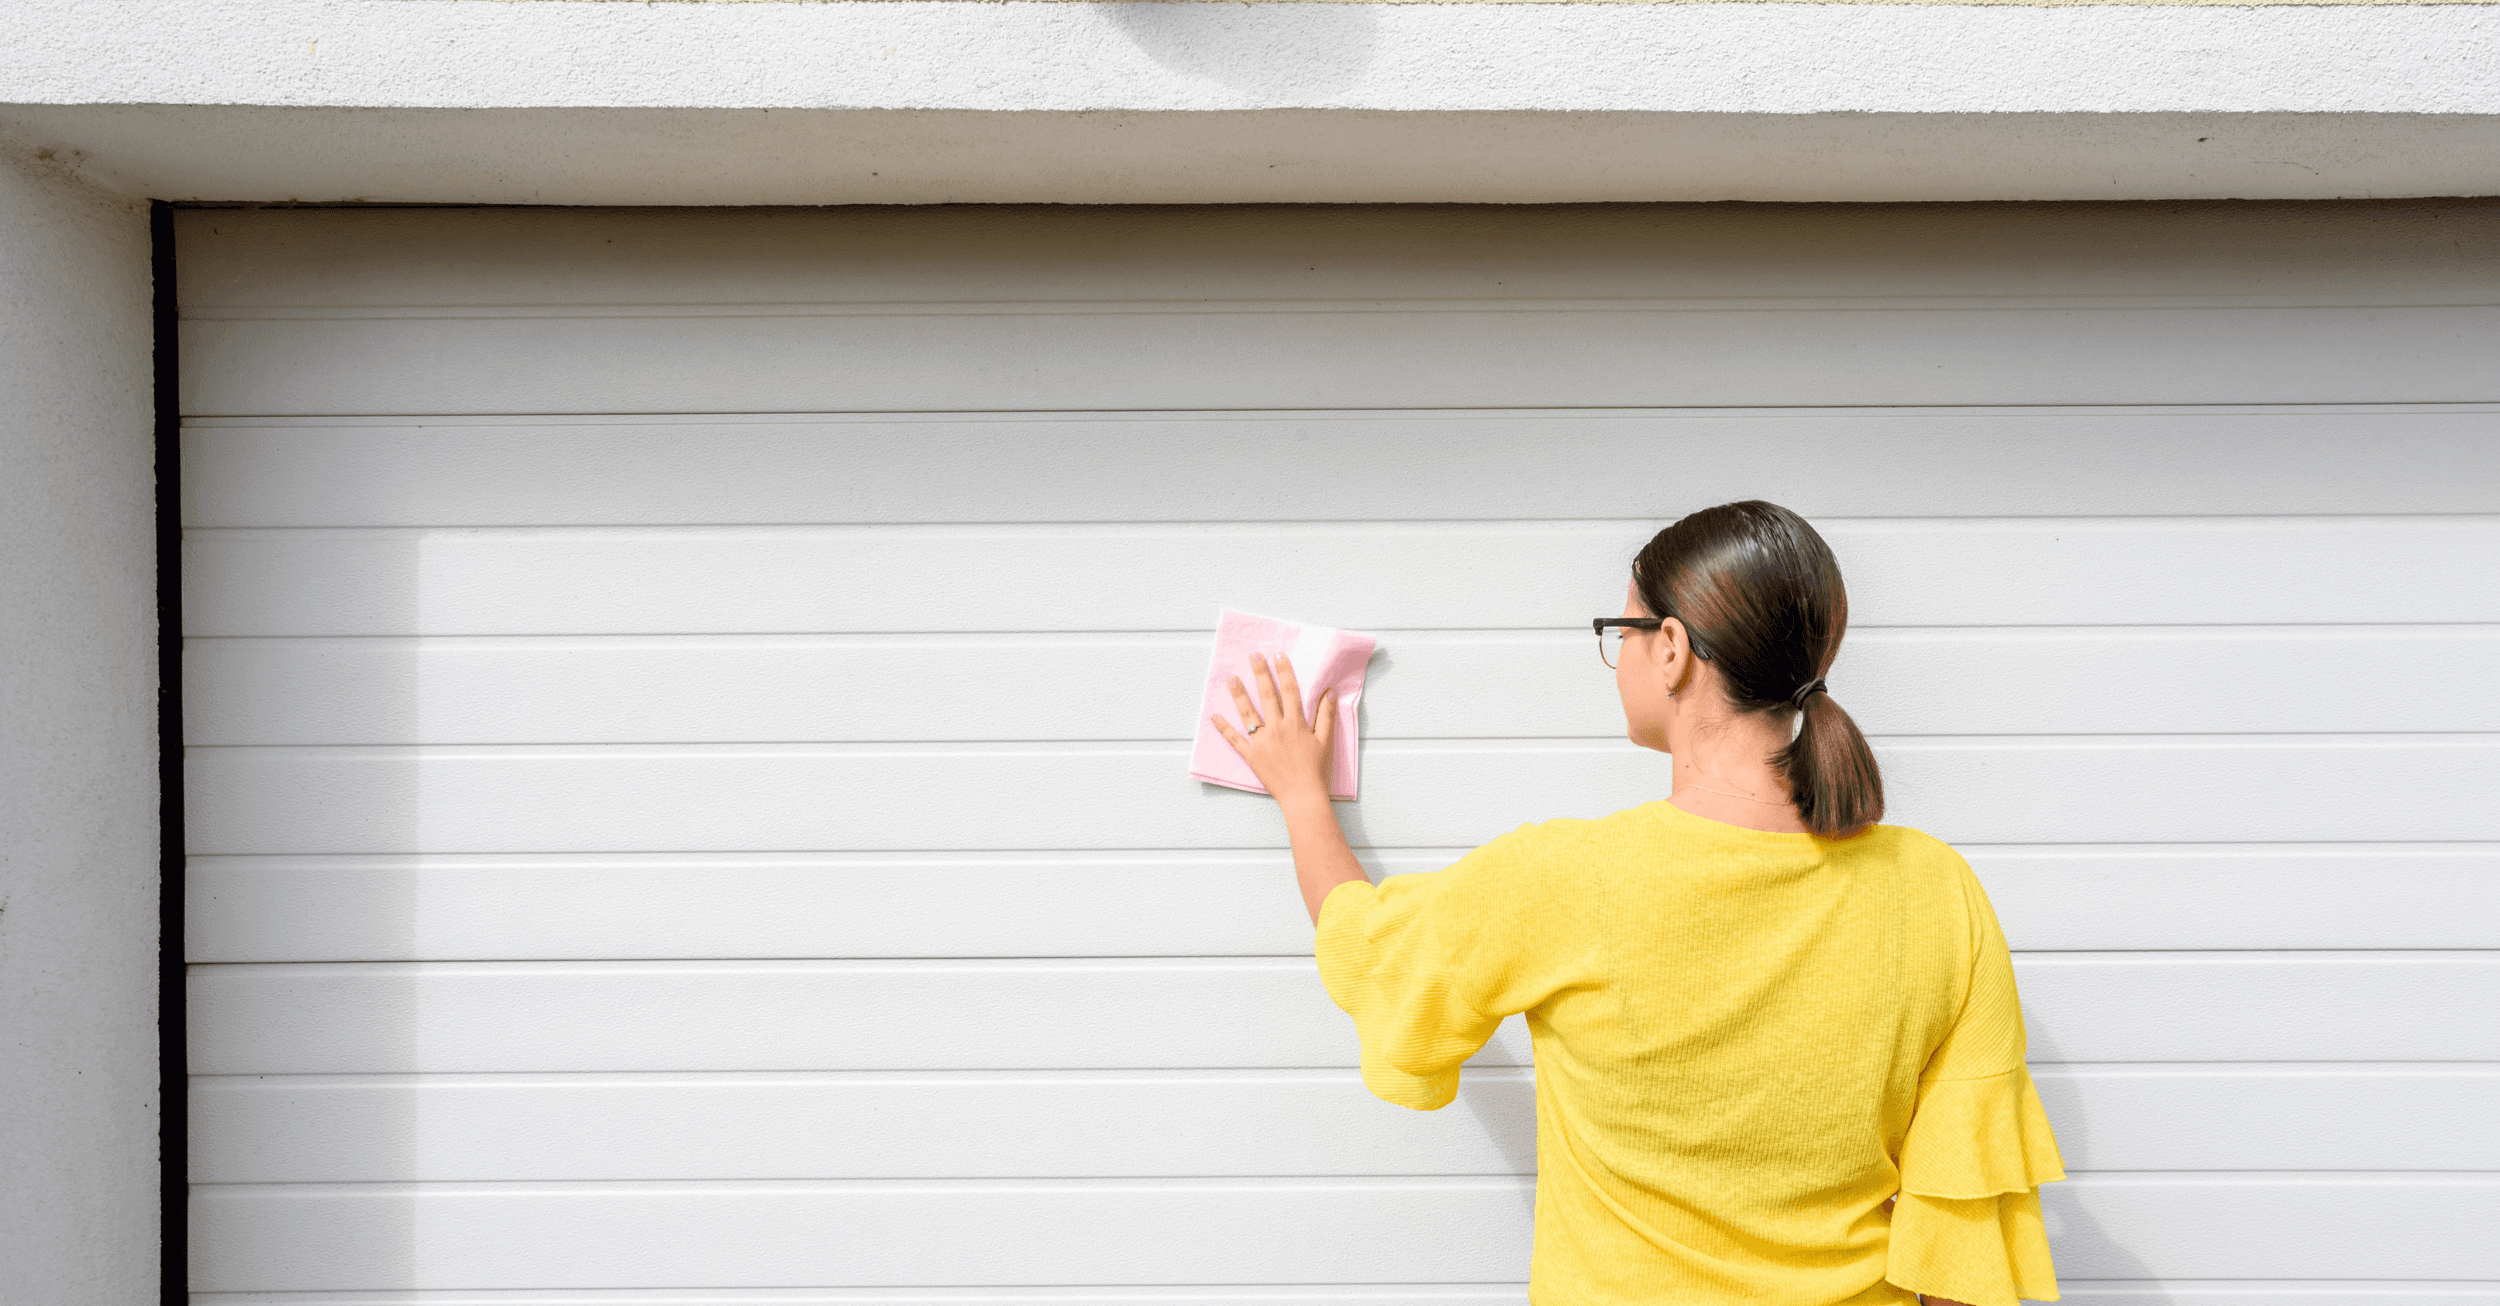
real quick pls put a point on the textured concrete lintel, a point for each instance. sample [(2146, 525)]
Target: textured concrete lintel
[(1166, 57), (683, 156)]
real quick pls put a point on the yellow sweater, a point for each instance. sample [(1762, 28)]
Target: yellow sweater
[(1746, 1045)]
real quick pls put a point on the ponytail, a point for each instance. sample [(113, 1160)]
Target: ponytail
[(1755, 585), (1831, 772)]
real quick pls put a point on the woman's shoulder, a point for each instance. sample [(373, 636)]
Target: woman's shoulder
[(1909, 844), (1542, 857), (1920, 859), (1574, 836), (1550, 850)]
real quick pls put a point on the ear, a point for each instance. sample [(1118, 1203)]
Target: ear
[(1675, 654)]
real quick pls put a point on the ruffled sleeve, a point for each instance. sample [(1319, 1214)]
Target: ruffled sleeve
[(1967, 1224), (1428, 965)]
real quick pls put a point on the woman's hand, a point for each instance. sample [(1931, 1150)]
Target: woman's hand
[(1291, 757)]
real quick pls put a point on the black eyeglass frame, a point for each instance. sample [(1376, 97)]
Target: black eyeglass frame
[(1599, 624)]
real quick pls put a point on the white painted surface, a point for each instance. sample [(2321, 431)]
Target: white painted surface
[(975, 579), (915, 54), (1267, 156), (310, 1236), (1985, 462), (917, 102), (436, 1128), (475, 1017), (1565, 307), (863, 688), (78, 796), (2083, 897), (845, 262), (2085, 1292), (795, 797), (1332, 355), (642, 853)]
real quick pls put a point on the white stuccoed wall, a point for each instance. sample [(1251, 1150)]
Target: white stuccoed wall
[(1154, 57), (78, 845), (924, 101)]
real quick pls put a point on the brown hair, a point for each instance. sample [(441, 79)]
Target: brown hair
[(1760, 595)]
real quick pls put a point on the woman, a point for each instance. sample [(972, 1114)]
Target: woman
[(1779, 1055)]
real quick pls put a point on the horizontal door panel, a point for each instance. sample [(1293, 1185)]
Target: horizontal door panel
[(540, 1236), (2320, 1117), (1422, 685), (490, 908), (446, 1017), (312, 260), (2229, 1292), (297, 1129), (793, 797), (2074, 1292), (1257, 466), (1284, 354), (318, 1129), (786, 580), (1193, 1294)]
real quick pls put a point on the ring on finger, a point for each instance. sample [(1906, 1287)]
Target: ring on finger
[(1252, 728)]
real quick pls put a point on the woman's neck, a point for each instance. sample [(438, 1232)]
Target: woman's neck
[(1723, 773)]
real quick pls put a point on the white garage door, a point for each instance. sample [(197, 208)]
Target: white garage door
[(687, 718)]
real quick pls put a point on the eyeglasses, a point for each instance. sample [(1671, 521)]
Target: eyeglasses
[(1607, 644)]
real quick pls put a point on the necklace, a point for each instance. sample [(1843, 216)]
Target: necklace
[(1767, 802)]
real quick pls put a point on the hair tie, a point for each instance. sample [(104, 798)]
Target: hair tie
[(1814, 686)]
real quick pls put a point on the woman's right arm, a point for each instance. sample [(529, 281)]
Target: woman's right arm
[(1291, 756)]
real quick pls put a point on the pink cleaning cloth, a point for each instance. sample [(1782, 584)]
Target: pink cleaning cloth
[(1323, 659)]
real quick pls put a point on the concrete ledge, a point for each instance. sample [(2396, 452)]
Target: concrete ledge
[(923, 101), (1432, 58), (693, 156)]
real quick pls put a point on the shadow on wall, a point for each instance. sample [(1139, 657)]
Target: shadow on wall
[(2083, 1248), (1313, 50)]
